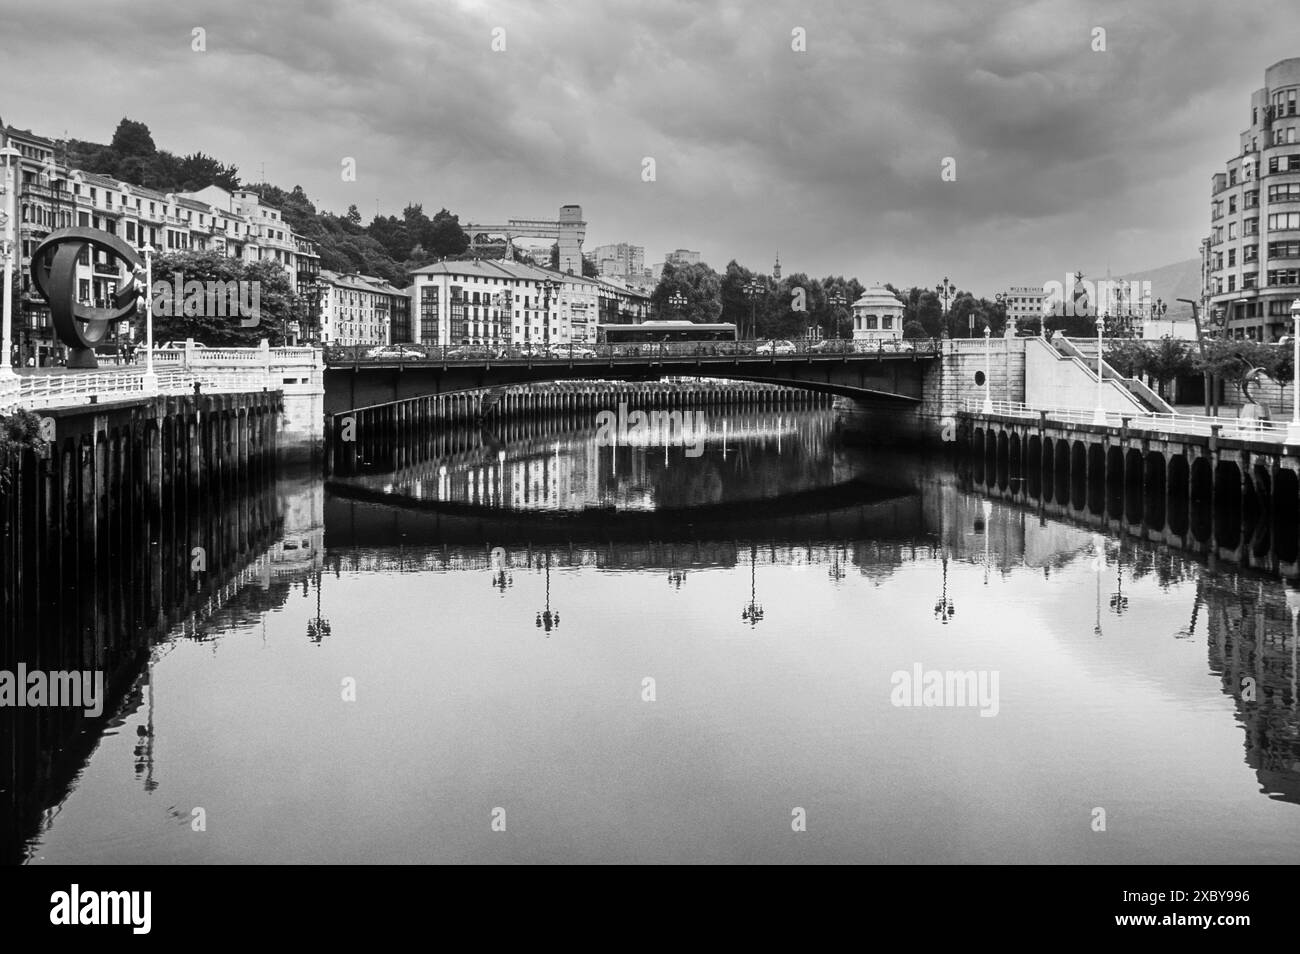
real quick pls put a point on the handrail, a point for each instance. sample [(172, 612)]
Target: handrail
[(1159, 422)]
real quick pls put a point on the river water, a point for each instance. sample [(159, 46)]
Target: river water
[(565, 648)]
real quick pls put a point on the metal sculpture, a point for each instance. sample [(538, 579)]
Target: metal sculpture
[(54, 272)]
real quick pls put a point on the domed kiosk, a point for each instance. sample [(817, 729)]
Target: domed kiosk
[(877, 316)]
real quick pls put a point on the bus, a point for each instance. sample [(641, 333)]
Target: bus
[(669, 332)]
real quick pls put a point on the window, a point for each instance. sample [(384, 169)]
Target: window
[(887, 321), (1232, 257), (1284, 276), (1232, 283), (1284, 220), (1232, 230), (1283, 249), (1284, 192), (429, 315), (869, 322), (1232, 203)]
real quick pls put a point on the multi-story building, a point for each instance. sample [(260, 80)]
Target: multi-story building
[(682, 257), (620, 261), (1024, 302), (620, 304), (1253, 256), (493, 302), (362, 310)]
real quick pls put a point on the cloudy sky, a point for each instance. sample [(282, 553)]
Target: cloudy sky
[(1065, 157)]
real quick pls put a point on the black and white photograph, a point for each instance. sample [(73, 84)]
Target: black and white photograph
[(450, 432)]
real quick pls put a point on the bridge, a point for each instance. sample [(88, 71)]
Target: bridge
[(895, 377), (568, 231)]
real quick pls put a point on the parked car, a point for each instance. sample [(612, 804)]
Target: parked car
[(571, 351), (470, 353), (394, 352), (776, 347), (831, 346)]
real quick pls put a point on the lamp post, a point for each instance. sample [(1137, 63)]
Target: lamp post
[(8, 215), (752, 289), (944, 290), (837, 299), (149, 383), (677, 301), (547, 287), (1099, 417), (1293, 429), (1009, 325)]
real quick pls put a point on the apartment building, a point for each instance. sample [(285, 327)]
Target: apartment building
[(1252, 259), (362, 310), (495, 303), (1024, 302)]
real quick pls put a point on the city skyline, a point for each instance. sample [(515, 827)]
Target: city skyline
[(1065, 156)]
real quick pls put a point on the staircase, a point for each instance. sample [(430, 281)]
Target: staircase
[(1144, 396)]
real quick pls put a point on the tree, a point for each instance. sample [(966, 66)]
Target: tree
[(1169, 359), (354, 215), (700, 285), (196, 315), (913, 330), (132, 138)]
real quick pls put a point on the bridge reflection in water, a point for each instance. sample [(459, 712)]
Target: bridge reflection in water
[(425, 581)]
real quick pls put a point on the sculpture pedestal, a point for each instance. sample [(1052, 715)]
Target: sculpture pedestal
[(82, 358)]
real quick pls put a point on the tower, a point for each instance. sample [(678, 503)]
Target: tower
[(776, 268)]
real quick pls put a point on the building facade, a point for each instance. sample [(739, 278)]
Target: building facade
[(362, 310), (1253, 253), (495, 303), (1024, 302)]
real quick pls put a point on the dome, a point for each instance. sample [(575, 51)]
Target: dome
[(877, 297)]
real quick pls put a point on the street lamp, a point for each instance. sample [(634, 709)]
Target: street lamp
[(677, 301), (752, 289), (1293, 429), (149, 382), (8, 215), (548, 286), (944, 290), (988, 347), (837, 299), (1099, 417), (1004, 300)]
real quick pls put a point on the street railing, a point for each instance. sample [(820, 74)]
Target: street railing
[(759, 348), (1250, 428)]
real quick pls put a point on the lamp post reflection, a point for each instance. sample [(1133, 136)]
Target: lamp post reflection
[(318, 627), (944, 608), (546, 619), (1118, 601), (754, 611)]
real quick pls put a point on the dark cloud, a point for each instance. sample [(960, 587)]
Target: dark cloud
[(1066, 157)]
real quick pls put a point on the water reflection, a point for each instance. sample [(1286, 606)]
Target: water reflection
[(499, 618)]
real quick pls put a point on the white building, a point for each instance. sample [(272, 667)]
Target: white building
[(1023, 303), (491, 302), (358, 309), (877, 316)]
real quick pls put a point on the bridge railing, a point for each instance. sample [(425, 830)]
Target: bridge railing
[(1248, 428), (67, 390), (574, 351)]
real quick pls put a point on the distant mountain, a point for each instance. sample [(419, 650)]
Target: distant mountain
[(1171, 282)]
